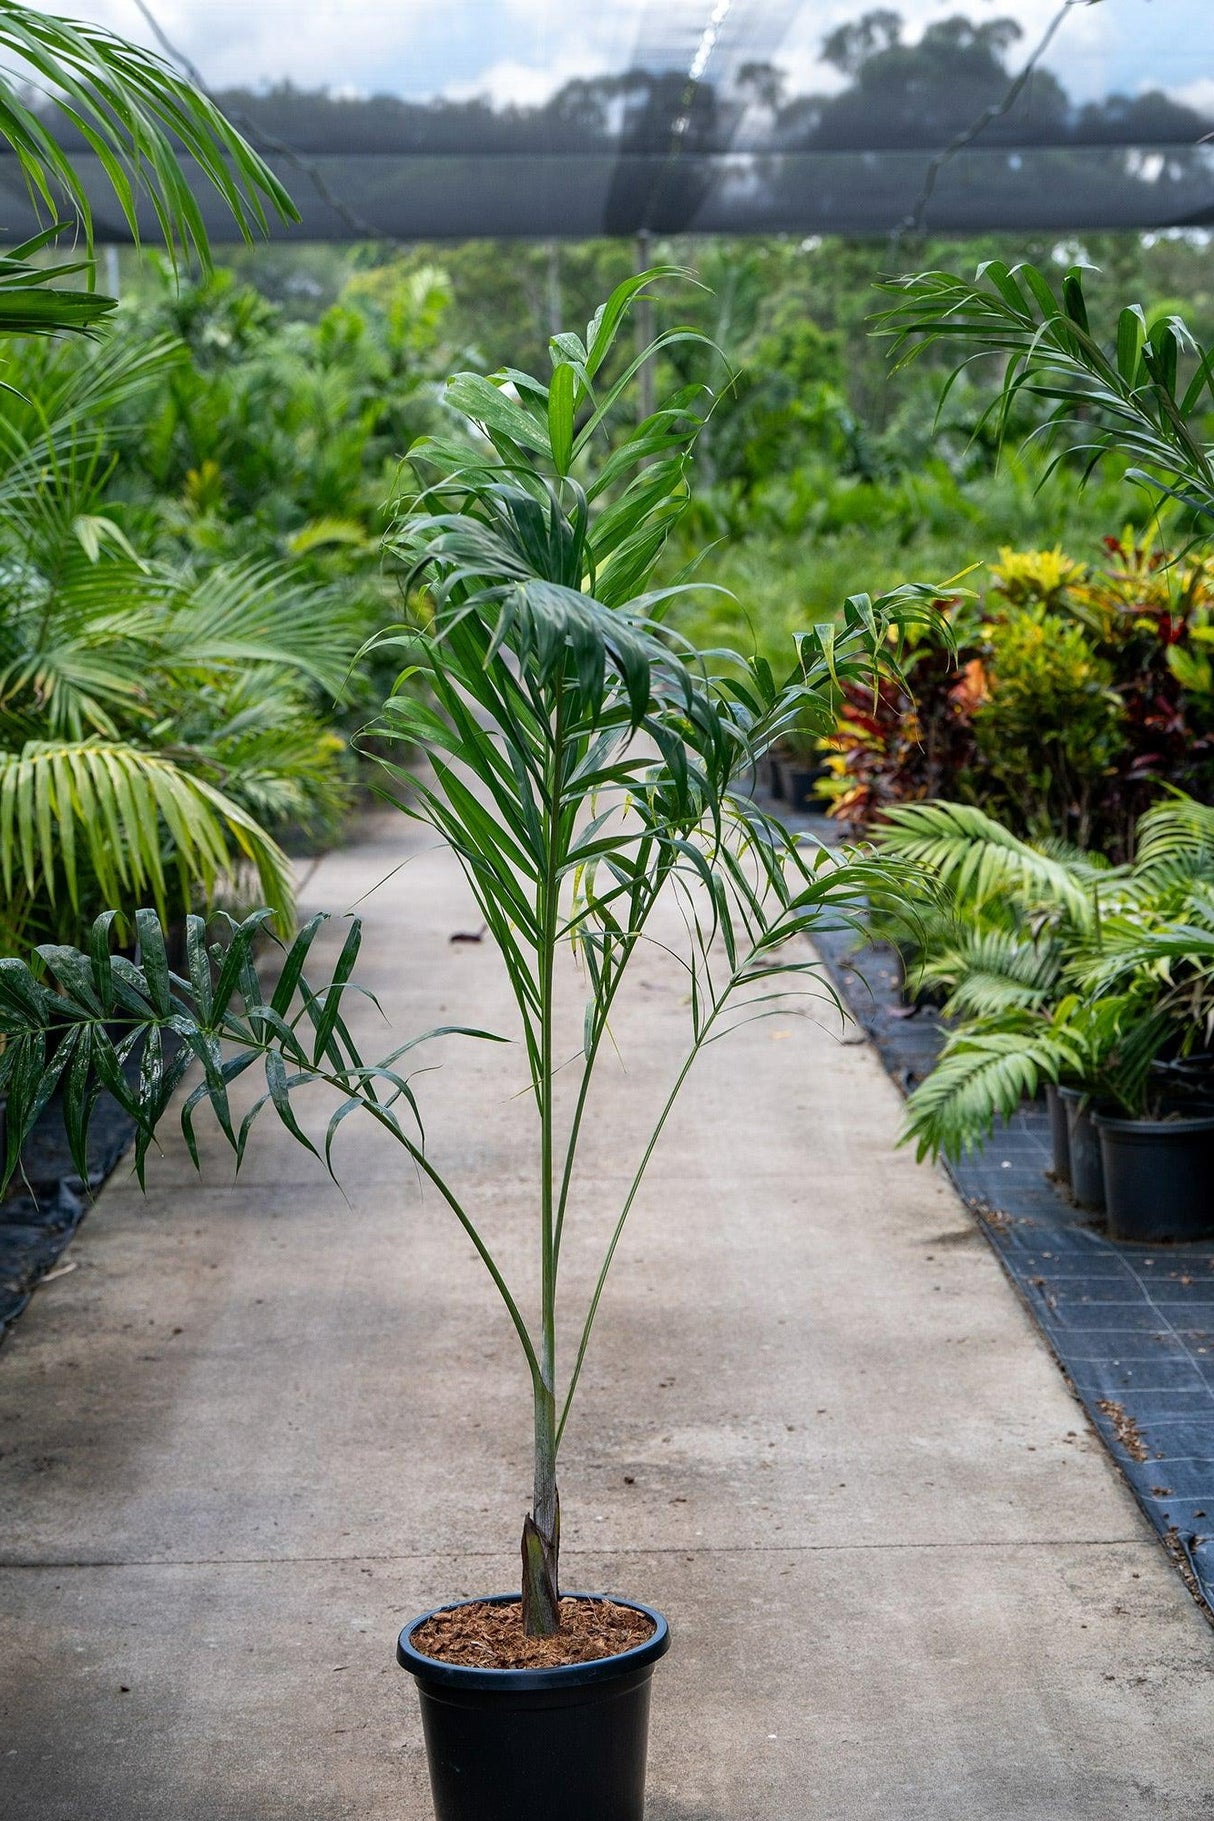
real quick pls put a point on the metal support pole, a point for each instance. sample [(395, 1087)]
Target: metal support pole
[(644, 322), (555, 324)]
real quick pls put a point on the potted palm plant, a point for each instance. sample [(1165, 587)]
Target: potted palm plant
[(1156, 1136), (801, 768), (1099, 979), (581, 762)]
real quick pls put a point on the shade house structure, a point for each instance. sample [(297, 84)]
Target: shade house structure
[(557, 118)]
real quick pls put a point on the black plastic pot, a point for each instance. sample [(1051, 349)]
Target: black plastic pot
[(562, 1744), (1186, 1085), (799, 781), (1083, 1142), (1159, 1178), (1060, 1139)]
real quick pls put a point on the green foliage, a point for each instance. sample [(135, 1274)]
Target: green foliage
[(984, 1072), (982, 861), (820, 470), (158, 718), (98, 800), (1143, 393), (1050, 728), (127, 816), (84, 1017), (1078, 695)]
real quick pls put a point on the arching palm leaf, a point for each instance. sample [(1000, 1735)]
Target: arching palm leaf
[(983, 1075), (139, 824), (986, 971), (979, 859), (136, 116), (1175, 844), (1126, 396), (239, 614)]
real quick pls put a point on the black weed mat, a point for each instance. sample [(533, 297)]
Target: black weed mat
[(41, 1213), (1131, 1326)]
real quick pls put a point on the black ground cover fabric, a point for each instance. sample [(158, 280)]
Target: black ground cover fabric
[(47, 1202)]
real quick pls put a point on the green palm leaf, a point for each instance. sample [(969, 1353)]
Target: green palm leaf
[(1175, 844), (137, 117), (983, 1075), (988, 970), (139, 823), (979, 859), (1123, 396), (28, 306)]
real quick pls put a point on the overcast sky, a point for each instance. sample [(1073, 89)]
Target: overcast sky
[(523, 49)]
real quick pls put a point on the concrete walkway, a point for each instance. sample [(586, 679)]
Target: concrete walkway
[(259, 1427)]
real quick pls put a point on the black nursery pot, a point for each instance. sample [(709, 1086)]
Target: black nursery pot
[(564, 1744), (799, 781), (1158, 1177), (1060, 1139), (1083, 1141)]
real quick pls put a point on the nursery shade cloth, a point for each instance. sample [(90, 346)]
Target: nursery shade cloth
[(524, 118)]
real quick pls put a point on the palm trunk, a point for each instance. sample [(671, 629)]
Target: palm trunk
[(542, 1528)]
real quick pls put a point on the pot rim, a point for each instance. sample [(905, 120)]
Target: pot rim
[(525, 1681), (1155, 1128)]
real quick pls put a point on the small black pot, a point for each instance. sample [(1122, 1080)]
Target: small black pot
[(799, 781), (1083, 1142), (563, 1744), (1060, 1138), (1159, 1178)]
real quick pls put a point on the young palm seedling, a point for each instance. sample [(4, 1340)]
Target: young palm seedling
[(582, 764)]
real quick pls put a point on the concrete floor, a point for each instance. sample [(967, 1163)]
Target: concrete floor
[(259, 1427)]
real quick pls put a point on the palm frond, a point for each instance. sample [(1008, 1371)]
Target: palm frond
[(29, 305), (1124, 396), (137, 117), (1175, 844), (1170, 950), (978, 858), (987, 971), (138, 822), (982, 1076), (238, 614)]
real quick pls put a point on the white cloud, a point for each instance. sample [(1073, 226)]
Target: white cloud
[(319, 43), (1198, 95), (526, 84)]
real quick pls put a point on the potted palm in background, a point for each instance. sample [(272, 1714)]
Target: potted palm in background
[(1063, 970), (581, 768)]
